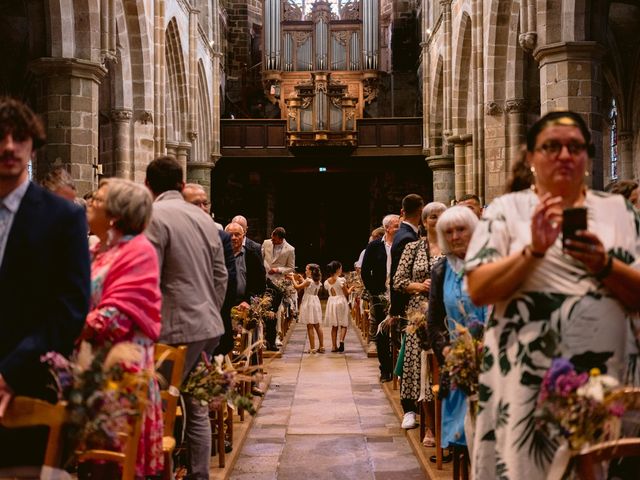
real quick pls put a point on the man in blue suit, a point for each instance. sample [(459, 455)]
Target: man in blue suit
[(44, 271), (376, 265), (408, 232)]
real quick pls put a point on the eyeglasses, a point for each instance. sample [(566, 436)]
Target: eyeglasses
[(198, 203), (95, 199), (554, 148)]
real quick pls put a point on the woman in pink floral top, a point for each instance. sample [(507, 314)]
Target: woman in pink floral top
[(125, 294)]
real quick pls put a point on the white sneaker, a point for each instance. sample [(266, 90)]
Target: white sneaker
[(409, 421)]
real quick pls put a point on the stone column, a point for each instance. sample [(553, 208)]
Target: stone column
[(459, 154), (516, 109), (442, 167), (447, 70), (71, 98), (571, 79), (121, 121), (172, 149), (193, 80), (625, 156), (159, 78), (182, 155), (200, 172), (468, 162)]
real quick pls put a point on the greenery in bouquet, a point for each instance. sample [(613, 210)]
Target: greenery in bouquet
[(213, 383), (354, 281), (258, 311), (463, 358), (417, 324), (101, 390), (580, 407)]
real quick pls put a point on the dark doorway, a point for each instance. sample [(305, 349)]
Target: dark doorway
[(327, 204), (325, 215)]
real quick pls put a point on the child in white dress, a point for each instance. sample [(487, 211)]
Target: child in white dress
[(310, 311), (337, 312)]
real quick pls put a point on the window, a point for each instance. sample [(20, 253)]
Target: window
[(613, 140)]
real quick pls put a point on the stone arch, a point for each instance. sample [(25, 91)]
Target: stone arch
[(436, 117), (498, 42), (462, 76), (86, 18), (61, 44), (140, 31), (204, 126), (176, 85)]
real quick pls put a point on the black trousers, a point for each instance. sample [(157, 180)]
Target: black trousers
[(383, 341)]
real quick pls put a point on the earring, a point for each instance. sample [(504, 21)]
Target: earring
[(586, 173), (533, 170)]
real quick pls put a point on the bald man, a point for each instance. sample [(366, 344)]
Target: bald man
[(247, 242)]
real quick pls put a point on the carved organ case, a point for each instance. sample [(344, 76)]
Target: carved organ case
[(320, 65)]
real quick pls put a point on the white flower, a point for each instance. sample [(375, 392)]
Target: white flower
[(596, 387)]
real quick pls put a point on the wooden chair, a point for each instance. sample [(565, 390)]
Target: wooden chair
[(590, 460), (170, 396), (128, 455), (435, 387), (25, 412), (218, 419)]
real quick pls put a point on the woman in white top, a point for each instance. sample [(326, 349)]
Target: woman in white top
[(310, 312), (337, 312)]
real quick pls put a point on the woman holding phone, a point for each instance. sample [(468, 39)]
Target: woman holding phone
[(552, 296)]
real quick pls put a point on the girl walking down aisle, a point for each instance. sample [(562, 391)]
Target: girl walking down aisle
[(310, 312), (337, 312)]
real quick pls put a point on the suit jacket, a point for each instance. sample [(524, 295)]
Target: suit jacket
[(193, 276), (44, 287), (285, 262), (399, 299), (256, 280), (251, 245), (436, 326), (374, 267), (226, 342)]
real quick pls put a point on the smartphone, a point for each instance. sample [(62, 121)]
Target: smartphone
[(573, 219)]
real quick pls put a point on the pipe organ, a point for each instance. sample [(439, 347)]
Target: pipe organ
[(320, 61)]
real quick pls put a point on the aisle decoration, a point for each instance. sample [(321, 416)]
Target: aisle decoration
[(102, 391), (463, 359), (354, 281), (578, 408), (289, 296), (249, 318), (417, 324), (214, 383)]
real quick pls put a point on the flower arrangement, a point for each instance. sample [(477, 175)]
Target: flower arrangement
[(578, 406), (258, 311), (288, 295), (354, 282), (102, 390), (463, 358), (214, 383)]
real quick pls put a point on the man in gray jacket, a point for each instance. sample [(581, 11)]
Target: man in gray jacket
[(193, 280)]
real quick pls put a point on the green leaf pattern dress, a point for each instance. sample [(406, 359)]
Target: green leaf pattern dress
[(559, 310)]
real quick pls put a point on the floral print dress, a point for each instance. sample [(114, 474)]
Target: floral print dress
[(559, 310), (415, 266), (107, 326)]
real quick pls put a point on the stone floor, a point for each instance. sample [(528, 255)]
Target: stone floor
[(325, 416)]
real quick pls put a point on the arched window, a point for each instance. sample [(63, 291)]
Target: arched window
[(613, 140)]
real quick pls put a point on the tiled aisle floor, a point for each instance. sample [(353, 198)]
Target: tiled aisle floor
[(325, 417)]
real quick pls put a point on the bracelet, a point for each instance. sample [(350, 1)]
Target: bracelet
[(606, 270), (533, 253)]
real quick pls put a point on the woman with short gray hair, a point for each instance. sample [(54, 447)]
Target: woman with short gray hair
[(449, 305), (125, 294)]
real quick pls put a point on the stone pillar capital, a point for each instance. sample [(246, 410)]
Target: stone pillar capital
[(445, 3), (121, 115), (440, 162), (564, 51), (200, 165), (528, 41), (516, 105), (493, 108), (192, 135), (72, 67)]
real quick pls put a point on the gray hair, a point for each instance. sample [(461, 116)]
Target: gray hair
[(454, 217), (389, 218), (432, 207), (57, 178), (242, 221), (194, 186), (129, 203)]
